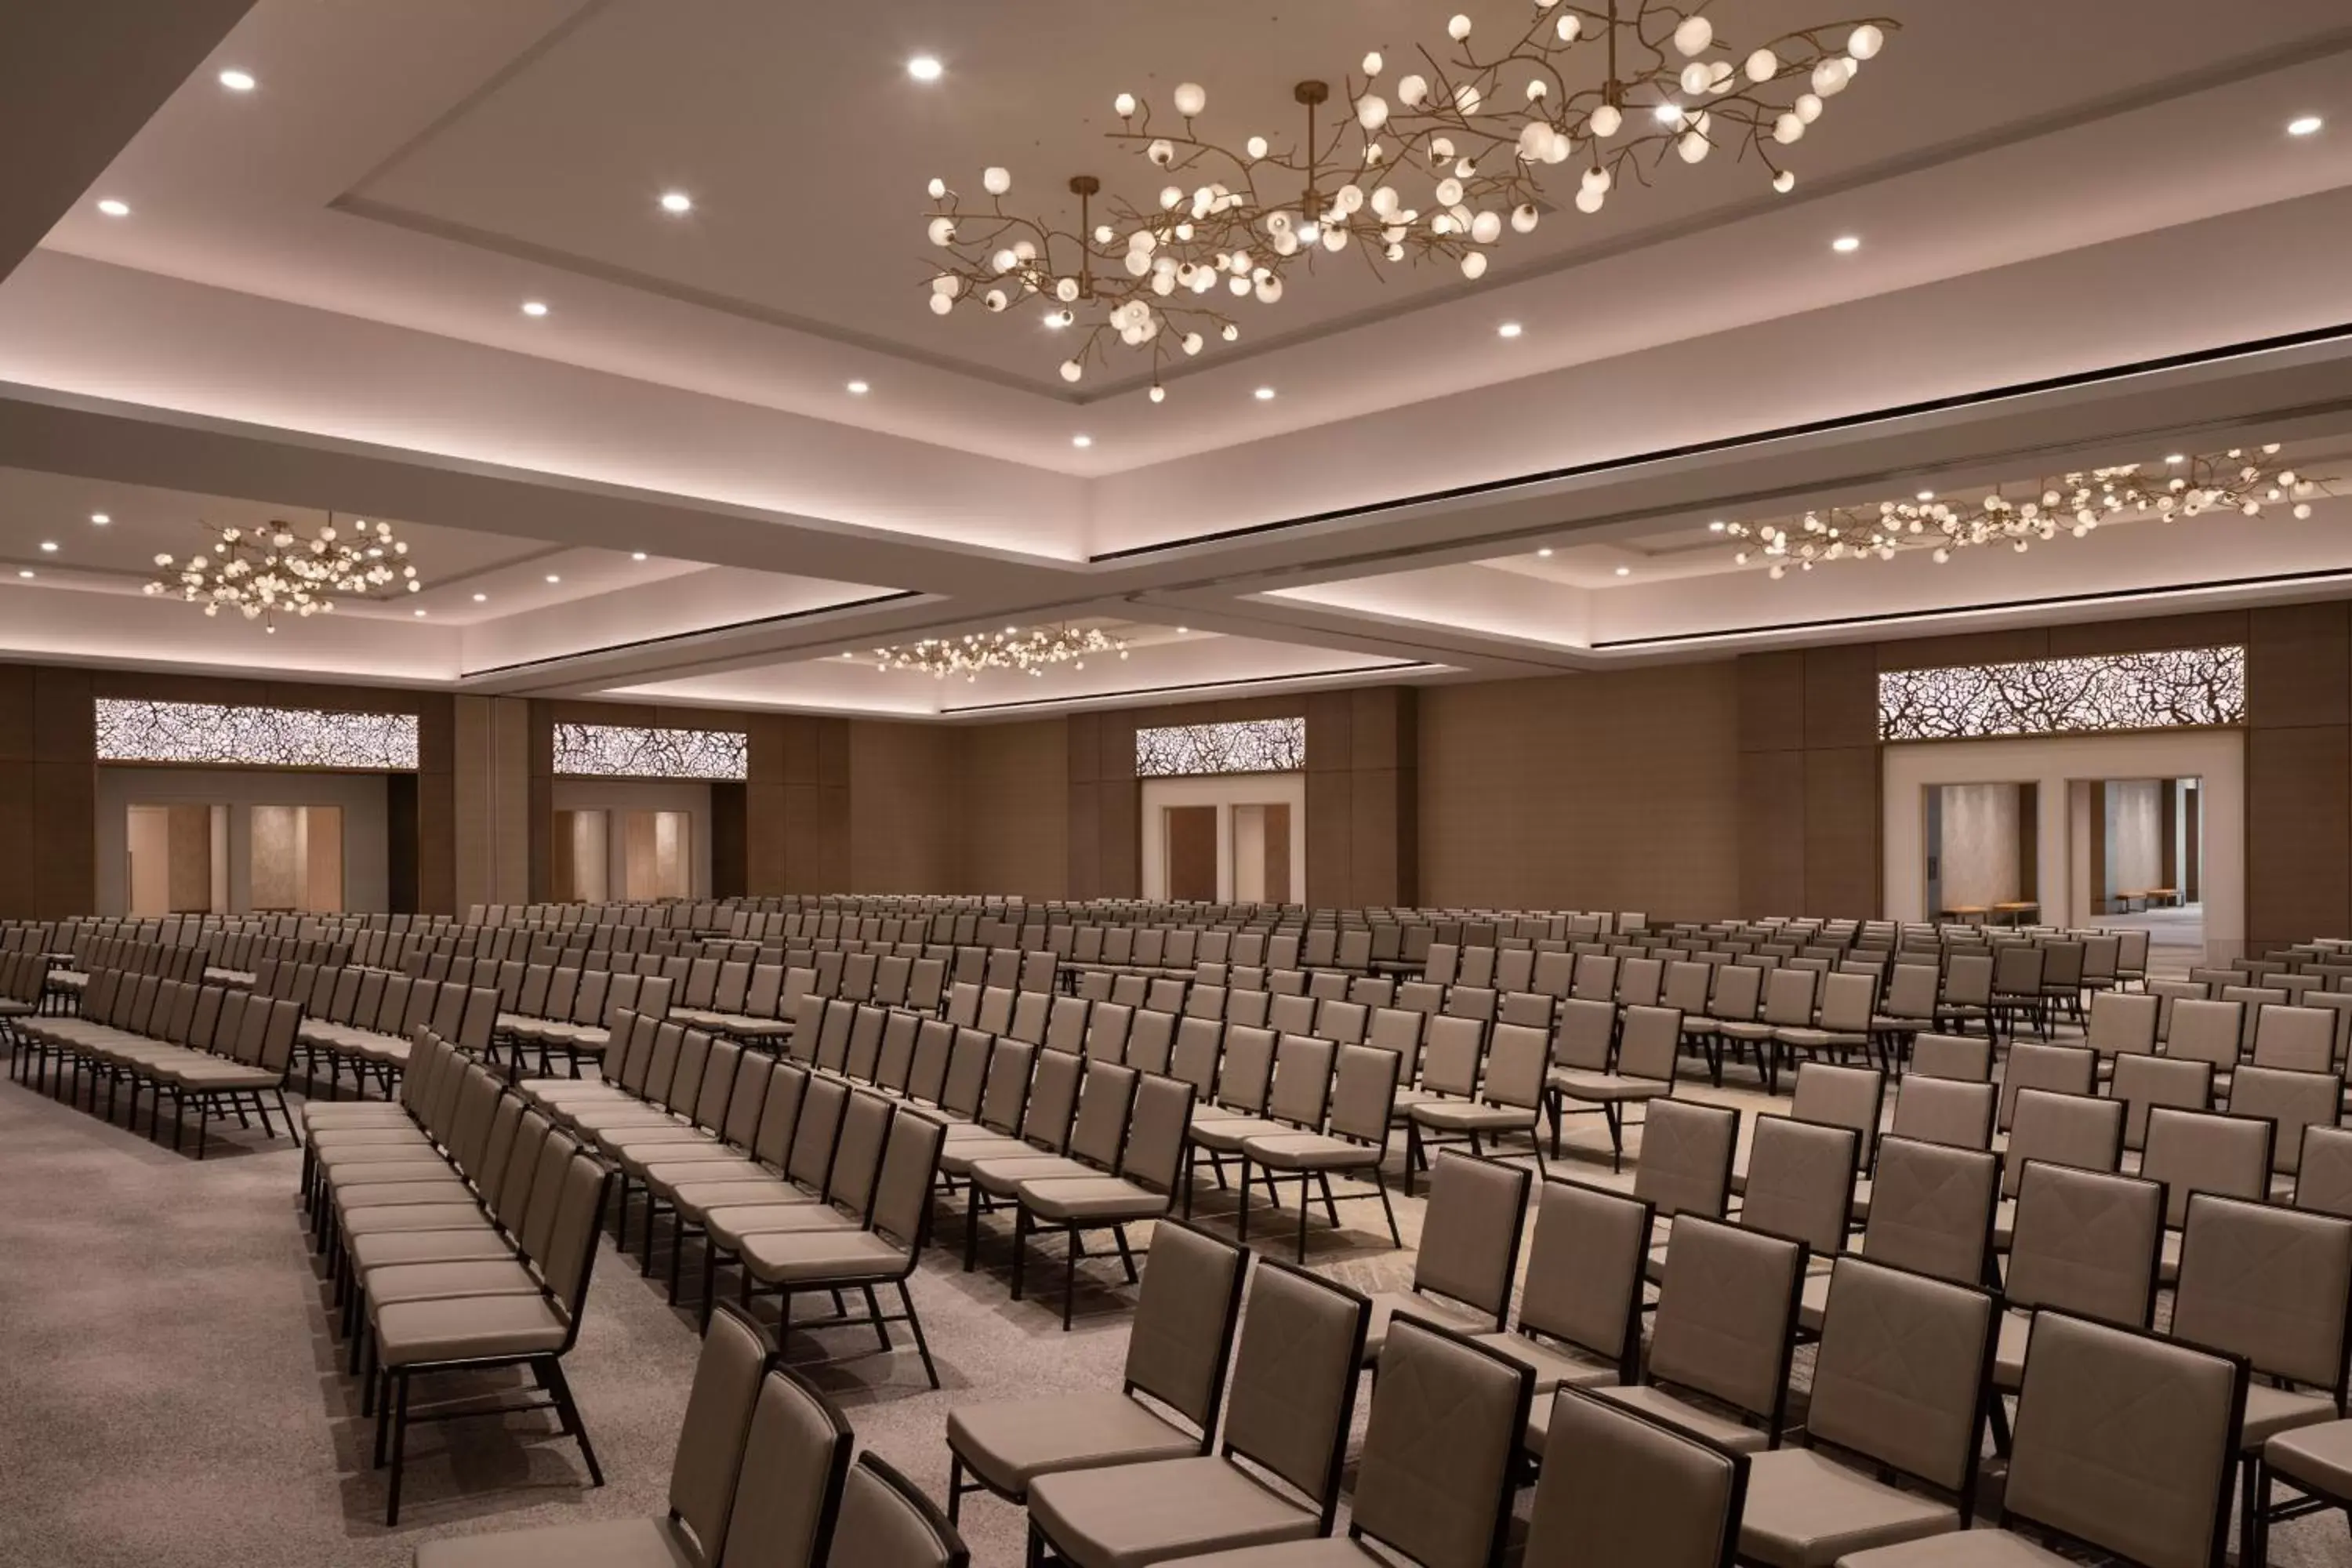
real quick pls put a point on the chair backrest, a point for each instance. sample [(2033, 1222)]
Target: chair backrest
[(1952, 1111), (2207, 1031), (1619, 1487), (1848, 1000), (1585, 1269), (1155, 1137), (2143, 1083), (1726, 1318), (858, 1153), (2121, 1022), (2085, 1242), (2270, 1284), (1364, 1093), (2195, 1151), (1838, 1096), (1470, 1232), (1901, 1371), (1185, 1314), (1964, 1056), (736, 1354), (2079, 1129), (1685, 1158), (1004, 1101), (1246, 1073), (1108, 1093), (2323, 1184), (1294, 1380), (1801, 1179), (817, 1132), (1649, 1042), (1515, 1067), (1439, 1457), (1788, 997), (902, 1192), (2160, 1498), (1587, 1030), (1931, 1209), (2295, 1100), (2062, 1069), (1151, 1039), (884, 1519), (796, 1461)]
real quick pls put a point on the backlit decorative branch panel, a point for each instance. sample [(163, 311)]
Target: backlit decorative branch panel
[(1249, 746), (204, 735), (2177, 689), (620, 752)]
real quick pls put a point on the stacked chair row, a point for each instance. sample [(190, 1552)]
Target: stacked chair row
[(460, 1230), (169, 961), (360, 1022), (216, 1049), (761, 1477)]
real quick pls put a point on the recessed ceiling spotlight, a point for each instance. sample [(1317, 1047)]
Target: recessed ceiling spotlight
[(1927, 495), (1509, 329), (1545, 553), (418, 613), (481, 598), (114, 209), (553, 578), (858, 389), (27, 572), (1082, 442), (2305, 126), (1624, 571), (101, 519), (637, 555), (1182, 630), (2176, 458), (925, 68), (676, 203), (48, 547), (1845, 244), (1715, 527), (534, 307), (1266, 395), (237, 80)]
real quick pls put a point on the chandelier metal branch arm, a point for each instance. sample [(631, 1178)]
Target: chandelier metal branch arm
[(1438, 174), (2243, 480)]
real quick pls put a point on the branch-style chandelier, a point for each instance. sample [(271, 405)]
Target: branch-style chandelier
[(271, 569), (1024, 652), (2242, 481), (1436, 166)]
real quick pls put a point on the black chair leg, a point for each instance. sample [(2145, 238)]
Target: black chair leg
[(915, 1326), (561, 1392)]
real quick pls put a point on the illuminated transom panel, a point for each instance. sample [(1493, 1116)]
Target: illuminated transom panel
[(1248, 746), (2175, 688), (620, 752), (204, 735)]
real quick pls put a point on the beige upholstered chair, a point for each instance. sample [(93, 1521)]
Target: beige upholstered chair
[(1097, 1138), (1176, 1353), (1647, 1052), (1357, 1144), (1277, 1476), (1469, 1250), (1145, 1189), (2060, 1069), (2274, 1287), (1620, 1488), (2294, 1102), (2082, 1130), (1952, 1111), (1964, 1056), (796, 1463), (736, 1356), (2087, 1242), (1801, 1178), (1508, 1098), (1894, 1427), (1931, 1213), (2323, 1184), (2300, 1039), (1580, 1308), (1726, 1329), (2144, 1082), (1685, 1162), (2125, 1443), (1298, 1097), (2193, 1152)]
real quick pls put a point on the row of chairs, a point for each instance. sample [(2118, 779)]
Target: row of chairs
[(171, 962), (361, 1021), (217, 1049)]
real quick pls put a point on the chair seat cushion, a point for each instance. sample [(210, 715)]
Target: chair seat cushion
[(730, 1227), (2271, 1411), (1579, 1085), (1310, 1151), (959, 1155), (823, 1257), (2009, 1356), (413, 1333), (606, 1543), (1225, 1135), (1001, 1177), (1125, 1516), (1661, 1406), (448, 1277), (1009, 1443), (432, 1210), (1106, 1200), (696, 1198), (1553, 1365), (2320, 1456), (666, 1172), (1390, 1304), (386, 1249), (1959, 1549), (1806, 1511), (1323, 1551), (1474, 1116)]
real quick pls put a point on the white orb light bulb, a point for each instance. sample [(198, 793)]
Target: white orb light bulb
[(1373, 64), (1124, 106), (1190, 98), (1072, 370), (1458, 29), (1866, 41), (1605, 120), (996, 181), (1693, 36)]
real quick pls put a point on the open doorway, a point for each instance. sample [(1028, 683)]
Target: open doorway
[(176, 860), (1983, 843), (658, 854), (2141, 845), (295, 859), (580, 857)]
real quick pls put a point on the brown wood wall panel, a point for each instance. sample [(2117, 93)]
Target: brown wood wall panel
[(1373, 841), (1771, 702), (17, 713), (2304, 654), (1843, 829), (2080, 639), (1084, 839), (903, 817), (1841, 696), (730, 840), (1013, 792), (1770, 814), (65, 843), (1330, 843), (1120, 828), (2298, 833)]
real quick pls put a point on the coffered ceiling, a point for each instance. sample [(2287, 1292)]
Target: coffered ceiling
[(2079, 242)]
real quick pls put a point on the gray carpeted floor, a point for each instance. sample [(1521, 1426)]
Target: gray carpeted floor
[(169, 1393)]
